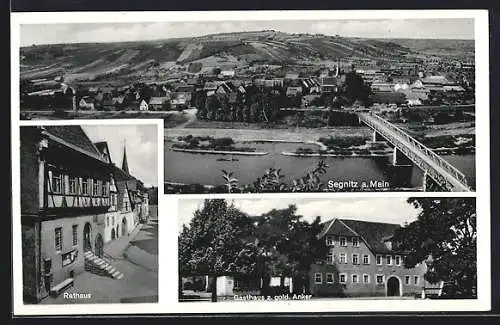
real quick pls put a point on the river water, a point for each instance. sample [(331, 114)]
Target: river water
[(190, 168)]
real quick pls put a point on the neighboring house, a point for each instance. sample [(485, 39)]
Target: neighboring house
[(212, 85), (143, 106), (225, 88), (435, 82), (331, 84), (187, 91), (293, 91), (413, 102), (65, 195), (311, 86), (382, 86), (112, 214), (118, 101), (108, 105), (269, 83), (226, 74), (362, 262), (158, 103), (179, 100), (453, 88), (86, 103)]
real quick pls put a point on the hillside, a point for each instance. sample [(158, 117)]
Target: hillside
[(92, 62)]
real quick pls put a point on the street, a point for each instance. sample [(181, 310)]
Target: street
[(136, 256)]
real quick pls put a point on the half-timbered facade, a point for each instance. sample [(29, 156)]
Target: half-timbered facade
[(65, 194)]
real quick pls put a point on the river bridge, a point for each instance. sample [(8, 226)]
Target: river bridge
[(441, 172)]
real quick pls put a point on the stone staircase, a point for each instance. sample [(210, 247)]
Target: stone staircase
[(97, 265)]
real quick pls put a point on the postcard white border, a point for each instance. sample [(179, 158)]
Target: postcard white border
[(168, 302)]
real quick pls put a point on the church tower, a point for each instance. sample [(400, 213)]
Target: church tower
[(124, 162)]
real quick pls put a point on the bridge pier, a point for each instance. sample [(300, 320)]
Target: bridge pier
[(400, 159), (402, 170), (377, 137)]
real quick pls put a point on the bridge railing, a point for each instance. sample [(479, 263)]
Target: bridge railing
[(429, 153)]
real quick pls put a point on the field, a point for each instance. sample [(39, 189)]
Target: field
[(104, 62)]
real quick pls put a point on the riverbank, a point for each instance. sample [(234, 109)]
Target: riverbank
[(351, 155), (302, 135), (222, 152)]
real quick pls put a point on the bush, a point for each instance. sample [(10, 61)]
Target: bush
[(303, 151), (223, 142), (333, 143)]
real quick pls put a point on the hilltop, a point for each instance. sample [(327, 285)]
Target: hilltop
[(86, 62)]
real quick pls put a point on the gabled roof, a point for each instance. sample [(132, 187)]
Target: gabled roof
[(87, 99), (118, 100), (104, 150), (372, 233), (74, 136)]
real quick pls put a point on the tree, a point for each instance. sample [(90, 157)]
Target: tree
[(289, 246), (444, 237), (356, 89), (216, 243), (229, 181)]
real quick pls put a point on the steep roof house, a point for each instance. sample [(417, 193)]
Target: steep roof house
[(362, 261)]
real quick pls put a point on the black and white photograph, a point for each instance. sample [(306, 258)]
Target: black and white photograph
[(302, 161), (89, 213), (327, 249), (273, 106)]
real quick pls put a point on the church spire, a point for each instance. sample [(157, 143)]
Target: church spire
[(124, 163)]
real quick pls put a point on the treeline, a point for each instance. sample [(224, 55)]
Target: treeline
[(222, 240)]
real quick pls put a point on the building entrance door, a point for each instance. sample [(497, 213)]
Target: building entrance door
[(99, 246), (124, 227), (393, 287), (87, 240)]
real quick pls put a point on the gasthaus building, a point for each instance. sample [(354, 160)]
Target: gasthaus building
[(68, 194), (361, 262)]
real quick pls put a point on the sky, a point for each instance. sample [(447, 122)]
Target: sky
[(390, 210), (450, 28), (141, 143)]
